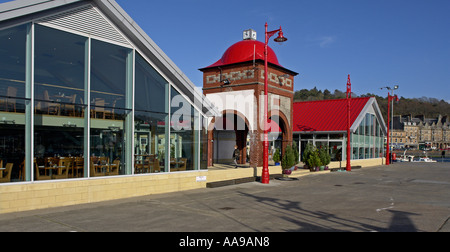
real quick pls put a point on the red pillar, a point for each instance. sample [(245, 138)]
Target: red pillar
[(349, 91), (387, 142)]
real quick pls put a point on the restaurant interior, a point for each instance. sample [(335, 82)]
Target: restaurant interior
[(70, 105)]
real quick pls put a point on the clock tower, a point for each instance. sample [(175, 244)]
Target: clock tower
[(235, 85)]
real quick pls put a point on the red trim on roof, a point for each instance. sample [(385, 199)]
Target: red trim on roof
[(326, 115)]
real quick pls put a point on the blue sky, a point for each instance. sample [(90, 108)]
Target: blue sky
[(378, 42)]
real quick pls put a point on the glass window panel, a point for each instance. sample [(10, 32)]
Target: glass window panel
[(204, 143), (336, 151), (322, 136), (361, 127), (12, 63), (183, 137), (355, 153), (367, 125), (108, 145), (108, 75), (336, 136), (306, 136), (59, 106), (151, 118), (12, 104), (150, 88), (109, 78), (150, 142), (361, 153), (59, 71), (12, 145)]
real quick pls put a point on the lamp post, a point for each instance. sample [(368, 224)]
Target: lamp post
[(279, 39), (391, 97), (349, 96)]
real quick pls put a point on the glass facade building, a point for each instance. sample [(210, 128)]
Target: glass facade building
[(323, 123), (76, 106), (368, 140)]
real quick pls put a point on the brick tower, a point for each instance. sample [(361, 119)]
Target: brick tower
[(235, 84)]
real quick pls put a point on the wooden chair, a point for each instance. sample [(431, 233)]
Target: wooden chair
[(69, 109), (109, 113), (146, 163), (78, 166), (182, 164), (9, 101), (6, 177), (65, 165), (37, 175), (50, 107), (178, 165), (114, 168), (154, 164), (93, 170), (99, 108)]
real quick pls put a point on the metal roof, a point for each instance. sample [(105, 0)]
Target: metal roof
[(247, 51), (331, 115)]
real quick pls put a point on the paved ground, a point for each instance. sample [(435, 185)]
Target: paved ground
[(401, 197)]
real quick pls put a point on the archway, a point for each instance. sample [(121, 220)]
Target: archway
[(280, 134), (224, 133)]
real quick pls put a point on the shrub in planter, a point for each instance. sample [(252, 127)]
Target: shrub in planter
[(288, 159), (313, 160), (276, 156), (309, 149), (324, 155)]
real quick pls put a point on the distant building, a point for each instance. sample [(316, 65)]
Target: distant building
[(421, 133)]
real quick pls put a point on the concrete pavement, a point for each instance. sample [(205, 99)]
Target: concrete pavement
[(401, 197)]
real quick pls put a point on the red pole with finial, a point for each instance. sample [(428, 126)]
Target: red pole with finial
[(349, 94)]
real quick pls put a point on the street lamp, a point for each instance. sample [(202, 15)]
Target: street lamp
[(349, 96), (391, 97), (279, 39)]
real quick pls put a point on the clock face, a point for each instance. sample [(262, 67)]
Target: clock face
[(249, 34), (246, 34)]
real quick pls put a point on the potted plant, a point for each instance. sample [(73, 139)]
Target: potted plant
[(324, 156), (313, 160), (288, 160), (276, 156), (306, 153), (316, 159)]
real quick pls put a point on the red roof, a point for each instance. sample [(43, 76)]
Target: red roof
[(326, 115), (246, 50)]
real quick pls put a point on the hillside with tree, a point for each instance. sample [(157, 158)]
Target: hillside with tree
[(429, 107)]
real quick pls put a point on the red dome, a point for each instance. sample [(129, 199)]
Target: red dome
[(243, 51)]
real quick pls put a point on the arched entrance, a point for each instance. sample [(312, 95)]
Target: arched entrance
[(280, 134), (225, 132)]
